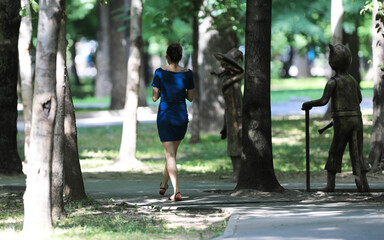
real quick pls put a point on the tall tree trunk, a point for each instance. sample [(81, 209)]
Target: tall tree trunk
[(337, 12), (212, 99), (257, 160), (118, 55), (59, 140), (376, 155), (103, 56), (353, 43), (142, 95), (10, 162), (26, 72), (127, 155), (37, 197), (73, 67), (195, 124), (74, 185)]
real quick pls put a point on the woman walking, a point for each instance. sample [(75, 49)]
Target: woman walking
[(173, 84)]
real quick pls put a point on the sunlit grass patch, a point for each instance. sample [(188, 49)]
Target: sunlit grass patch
[(92, 219)]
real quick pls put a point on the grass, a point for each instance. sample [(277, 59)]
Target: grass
[(209, 156), (281, 90), (96, 220)]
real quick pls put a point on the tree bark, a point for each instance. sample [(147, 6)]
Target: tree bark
[(195, 124), (257, 160), (26, 72), (103, 57), (211, 41), (127, 154), (73, 183), (59, 140), (10, 162), (337, 12), (37, 197), (376, 155), (353, 43), (118, 56), (142, 82), (73, 66)]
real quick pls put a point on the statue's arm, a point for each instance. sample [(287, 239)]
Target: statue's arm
[(328, 90), (232, 80), (359, 94)]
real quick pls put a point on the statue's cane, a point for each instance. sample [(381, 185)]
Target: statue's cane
[(307, 149)]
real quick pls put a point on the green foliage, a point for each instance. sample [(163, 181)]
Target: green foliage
[(300, 19), (227, 13), (82, 19)]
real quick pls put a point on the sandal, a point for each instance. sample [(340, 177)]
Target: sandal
[(176, 197), (163, 189)]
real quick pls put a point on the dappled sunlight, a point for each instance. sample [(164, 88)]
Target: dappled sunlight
[(289, 140)]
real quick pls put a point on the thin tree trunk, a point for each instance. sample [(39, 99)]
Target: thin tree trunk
[(103, 57), (59, 140), (211, 41), (376, 155), (118, 56), (337, 12), (10, 162), (142, 97), (257, 160), (353, 43), (37, 197), (26, 72), (73, 67), (195, 124), (74, 185), (127, 155)]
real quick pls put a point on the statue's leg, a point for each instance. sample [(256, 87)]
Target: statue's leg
[(356, 153), (335, 155), (236, 163), (331, 176)]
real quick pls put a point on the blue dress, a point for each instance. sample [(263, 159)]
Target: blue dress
[(172, 116)]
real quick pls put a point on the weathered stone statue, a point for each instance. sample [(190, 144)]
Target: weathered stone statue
[(231, 74), (345, 95)]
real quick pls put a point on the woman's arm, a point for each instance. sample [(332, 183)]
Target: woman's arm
[(155, 94), (189, 95)]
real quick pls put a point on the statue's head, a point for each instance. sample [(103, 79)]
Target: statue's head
[(230, 60), (340, 57)]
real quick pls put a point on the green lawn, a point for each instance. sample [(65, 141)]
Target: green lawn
[(98, 146), (281, 90)]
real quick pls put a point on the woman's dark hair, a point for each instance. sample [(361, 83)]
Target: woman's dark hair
[(175, 52)]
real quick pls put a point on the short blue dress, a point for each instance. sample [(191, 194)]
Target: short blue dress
[(172, 116)]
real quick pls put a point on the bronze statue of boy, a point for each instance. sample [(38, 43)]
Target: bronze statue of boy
[(231, 74), (345, 95)]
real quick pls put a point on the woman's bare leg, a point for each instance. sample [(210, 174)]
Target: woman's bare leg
[(170, 171)]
